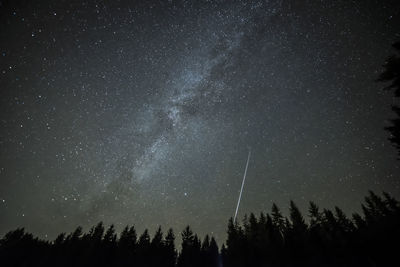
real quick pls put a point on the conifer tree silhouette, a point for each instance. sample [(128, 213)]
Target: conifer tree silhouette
[(391, 74), (329, 239), (170, 251)]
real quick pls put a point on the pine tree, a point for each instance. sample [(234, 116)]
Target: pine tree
[(127, 244), (110, 235), (190, 253), (98, 232), (170, 251), (157, 248), (315, 215), (109, 246), (298, 222), (296, 234), (344, 223), (143, 249), (235, 245), (213, 253), (277, 218), (392, 74)]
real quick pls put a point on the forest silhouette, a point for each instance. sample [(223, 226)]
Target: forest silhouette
[(322, 238)]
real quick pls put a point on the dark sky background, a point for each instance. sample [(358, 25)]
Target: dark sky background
[(142, 112)]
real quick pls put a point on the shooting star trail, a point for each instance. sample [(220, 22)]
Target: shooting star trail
[(241, 189)]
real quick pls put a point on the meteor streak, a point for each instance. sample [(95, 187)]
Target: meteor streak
[(241, 189)]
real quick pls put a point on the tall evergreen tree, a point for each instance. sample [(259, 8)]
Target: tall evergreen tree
[(315, 215), (143, 249), (213, 254), (96, 233), (127, 244), (235, 245), (277, 218), (391, 74), (190, 253), (157, 248), (109, 246), (110, 236), (171, 254), (296, 234)]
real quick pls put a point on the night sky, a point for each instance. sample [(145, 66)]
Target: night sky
[(143, 112)]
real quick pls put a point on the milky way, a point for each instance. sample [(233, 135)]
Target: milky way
[(143, 113)]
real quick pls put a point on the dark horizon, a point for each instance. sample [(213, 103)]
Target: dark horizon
[(328, 238)]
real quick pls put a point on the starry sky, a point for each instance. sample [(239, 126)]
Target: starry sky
[(143, 112)]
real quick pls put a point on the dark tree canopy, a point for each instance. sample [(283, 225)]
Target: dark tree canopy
[(325, 238), (329, 238), (391, 74)]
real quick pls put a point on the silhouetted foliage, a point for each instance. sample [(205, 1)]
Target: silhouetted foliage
[(170, 253), (327, 238), (392, 74), (191, 249)]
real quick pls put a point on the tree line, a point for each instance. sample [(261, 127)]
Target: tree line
[(102, 247), (329, 238), (326, 238)]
